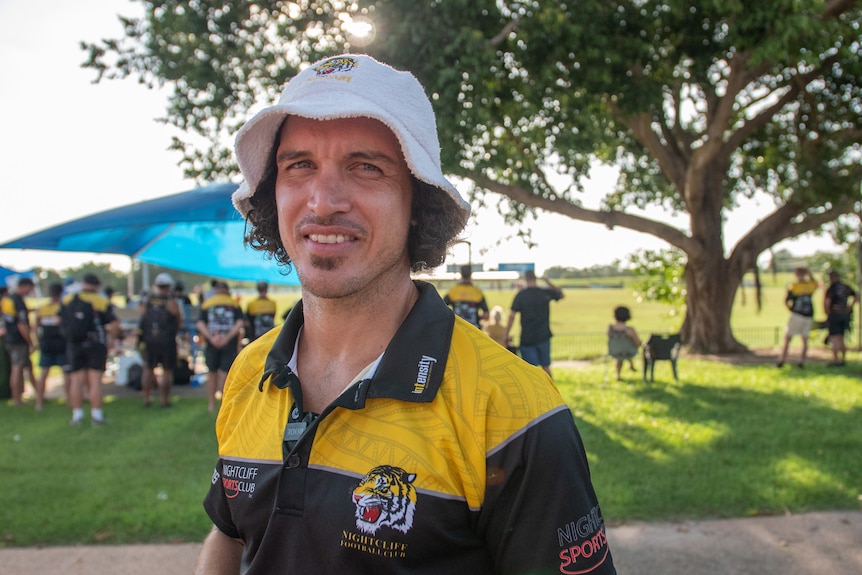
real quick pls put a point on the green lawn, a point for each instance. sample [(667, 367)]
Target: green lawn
[(723, 441)]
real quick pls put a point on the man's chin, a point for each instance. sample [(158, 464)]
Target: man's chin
[(325, 264)]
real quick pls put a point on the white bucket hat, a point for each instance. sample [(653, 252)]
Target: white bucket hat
[(348, 86), (164, 279)]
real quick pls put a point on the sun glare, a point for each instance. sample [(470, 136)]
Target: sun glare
[(359, 30)]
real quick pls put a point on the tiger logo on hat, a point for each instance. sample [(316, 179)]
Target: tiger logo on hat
[(337, 64)]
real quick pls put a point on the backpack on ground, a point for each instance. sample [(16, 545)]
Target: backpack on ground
[(183, 373), (78, 320), (159, 325), (135, 376)]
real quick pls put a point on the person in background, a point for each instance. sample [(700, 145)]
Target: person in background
[(800, 302), (374, 431), (219, 326), (838, 302), (52, 345), (494, 326), (86, 358), (466, 300), (533, 303), (19, 341), (260, 313), (623, 340), (160, 321), (187, 330)]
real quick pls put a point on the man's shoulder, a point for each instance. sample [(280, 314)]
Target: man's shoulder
[(496, 372)]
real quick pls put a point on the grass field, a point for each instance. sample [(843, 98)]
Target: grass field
[(726, 440), (580, 319)]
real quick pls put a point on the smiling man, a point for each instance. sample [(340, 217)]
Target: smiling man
[(375, 431)]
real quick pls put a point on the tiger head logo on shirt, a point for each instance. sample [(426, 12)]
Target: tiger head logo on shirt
[(385, 496)]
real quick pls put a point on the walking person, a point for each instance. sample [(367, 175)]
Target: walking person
[(220, 323), (160, 323), (838, 301), (90, 329), (800, 302), (18, 341), (369, 434), (534, 305)]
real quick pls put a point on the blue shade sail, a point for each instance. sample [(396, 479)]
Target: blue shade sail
[(197, 231)]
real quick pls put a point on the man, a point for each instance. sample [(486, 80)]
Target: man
[(801, 306), (838, 303), (373, 433), (160, 321), (52, 344), (219, 325), (260, 313), (19, 343), (90, 328), (466, 300), (533, 303)]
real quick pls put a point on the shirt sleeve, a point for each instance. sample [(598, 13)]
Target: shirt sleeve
[(216, 505), (541, 513)]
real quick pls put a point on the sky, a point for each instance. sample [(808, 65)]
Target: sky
[(70, 148)]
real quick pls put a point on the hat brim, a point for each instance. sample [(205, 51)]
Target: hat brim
[(256, 139)]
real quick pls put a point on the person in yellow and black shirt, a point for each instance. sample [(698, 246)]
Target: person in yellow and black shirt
[(160, 322), (52, 345), (260, 313), (219, 326), (466, 300), (376, 431), (87, 354), (801, 305), (18, 339)]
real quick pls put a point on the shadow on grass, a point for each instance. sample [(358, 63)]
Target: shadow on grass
[(728, 441)]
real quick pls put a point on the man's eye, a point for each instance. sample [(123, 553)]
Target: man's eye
[(300, 165), (369, 167)]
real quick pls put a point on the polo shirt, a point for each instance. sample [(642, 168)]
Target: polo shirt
[(452, 456), (467, 301)]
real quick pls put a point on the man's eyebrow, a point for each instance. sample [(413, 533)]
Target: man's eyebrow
[(284, 156), (289, 155), (372, 155)]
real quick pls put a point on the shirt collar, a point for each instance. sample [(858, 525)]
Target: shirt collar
[(412, 366)]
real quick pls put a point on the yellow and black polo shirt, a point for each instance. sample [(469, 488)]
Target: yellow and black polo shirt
[(467, 301), (454, 456)]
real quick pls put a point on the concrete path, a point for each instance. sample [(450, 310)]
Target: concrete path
[(825, 542)]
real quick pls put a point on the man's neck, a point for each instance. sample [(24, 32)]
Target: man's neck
[(341, 336)]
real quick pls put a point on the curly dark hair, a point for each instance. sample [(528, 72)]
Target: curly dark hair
[(622, 313), (437, 222)]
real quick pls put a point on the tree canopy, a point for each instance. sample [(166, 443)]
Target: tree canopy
[(697, 104)]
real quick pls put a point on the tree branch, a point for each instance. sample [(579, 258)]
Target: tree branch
[(671, 235), (835, 8), (782, 224), (796, 85), (672, 165), (510, 27)]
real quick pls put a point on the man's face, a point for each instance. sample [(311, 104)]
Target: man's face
[(343, 193)]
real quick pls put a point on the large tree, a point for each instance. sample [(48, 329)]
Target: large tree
[(699, 104)]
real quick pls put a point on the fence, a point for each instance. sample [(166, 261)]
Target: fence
[(591, 344)]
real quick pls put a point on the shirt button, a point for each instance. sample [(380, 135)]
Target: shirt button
[(293, 461)]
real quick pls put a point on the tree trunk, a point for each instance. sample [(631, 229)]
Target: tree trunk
[(711, 285), (711, 279)]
